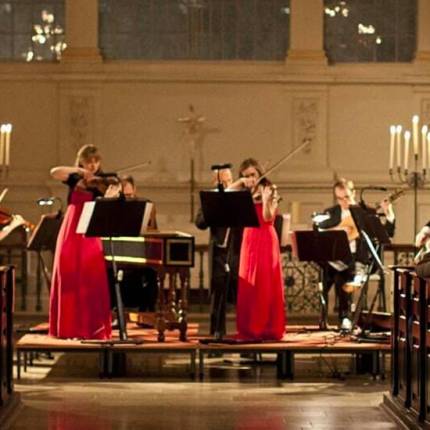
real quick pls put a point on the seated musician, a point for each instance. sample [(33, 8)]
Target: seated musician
[(139, 285), (422, 258), (341, 274)]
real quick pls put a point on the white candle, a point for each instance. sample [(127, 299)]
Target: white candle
[(428, 149), (398, 144), (2, 140), (415, 121), (392, 142), (407, 140), (424, 131), (7, 145)]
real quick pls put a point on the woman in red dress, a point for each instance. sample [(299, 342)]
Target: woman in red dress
[(79, 303), (260, 301)]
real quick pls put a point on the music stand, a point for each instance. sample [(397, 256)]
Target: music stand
[(229, 209), (321, 247), (44, 238), (113, 217), (374, 236)]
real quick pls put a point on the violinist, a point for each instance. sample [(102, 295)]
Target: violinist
[(79, 302), (224, 249), (260, 300)]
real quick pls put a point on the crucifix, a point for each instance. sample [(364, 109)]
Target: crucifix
[(194, 133)]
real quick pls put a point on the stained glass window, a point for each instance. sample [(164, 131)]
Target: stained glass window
[(31, 30), (370, 30), (194, 29)]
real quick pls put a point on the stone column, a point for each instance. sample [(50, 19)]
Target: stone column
[(82, 27), (423, 32), (306, 32)]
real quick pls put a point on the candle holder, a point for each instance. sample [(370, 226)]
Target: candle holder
[(414, 180)]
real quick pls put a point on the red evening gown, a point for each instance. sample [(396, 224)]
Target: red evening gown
[(79, 302), (260, 301)]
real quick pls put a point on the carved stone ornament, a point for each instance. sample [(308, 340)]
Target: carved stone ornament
[(80, 120), (305, 122), (425, 111)]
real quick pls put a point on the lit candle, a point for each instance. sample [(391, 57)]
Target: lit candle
[(8, 130), (428, 149), (407, 140), (2, 139), (398, 144), (392, 142), (424, 131), (415, 121)]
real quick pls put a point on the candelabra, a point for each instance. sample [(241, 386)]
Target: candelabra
[(416, 177)]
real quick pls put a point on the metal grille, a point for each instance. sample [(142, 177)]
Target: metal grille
[(194, 29), (301, 285)]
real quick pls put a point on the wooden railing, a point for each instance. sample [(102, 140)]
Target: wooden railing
[(410, 382), (7, 291)]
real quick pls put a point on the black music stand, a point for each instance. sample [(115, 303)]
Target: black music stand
[(321, 247), (375, 237), (113, 217), (44, 238), (227, 209)]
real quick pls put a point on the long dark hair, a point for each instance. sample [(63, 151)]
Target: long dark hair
[(252, 162)]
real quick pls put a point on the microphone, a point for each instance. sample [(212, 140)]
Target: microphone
[(49, 201), (45, 201), (221, 166)]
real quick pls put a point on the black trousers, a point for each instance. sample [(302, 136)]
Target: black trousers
[(223, 288), (338, 279)]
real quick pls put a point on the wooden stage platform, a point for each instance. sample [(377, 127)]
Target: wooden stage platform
[(297, 340)]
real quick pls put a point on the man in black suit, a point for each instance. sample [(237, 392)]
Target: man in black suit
[(224, 250), (344, 273)]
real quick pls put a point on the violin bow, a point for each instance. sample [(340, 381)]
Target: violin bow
[(133, 167), (283, 160)]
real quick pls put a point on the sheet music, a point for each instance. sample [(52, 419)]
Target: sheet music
[(84, 220), (146, 217)]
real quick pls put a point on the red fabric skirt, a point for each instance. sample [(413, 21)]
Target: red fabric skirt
[(80, 302), (260, 301)]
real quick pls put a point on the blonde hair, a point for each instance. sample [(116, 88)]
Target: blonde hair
[(87, 153)]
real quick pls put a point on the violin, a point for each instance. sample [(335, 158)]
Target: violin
[(100, 182), (5, 217)]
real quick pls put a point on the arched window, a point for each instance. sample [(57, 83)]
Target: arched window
[(31, 30), (370, 30), (194, 29)]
